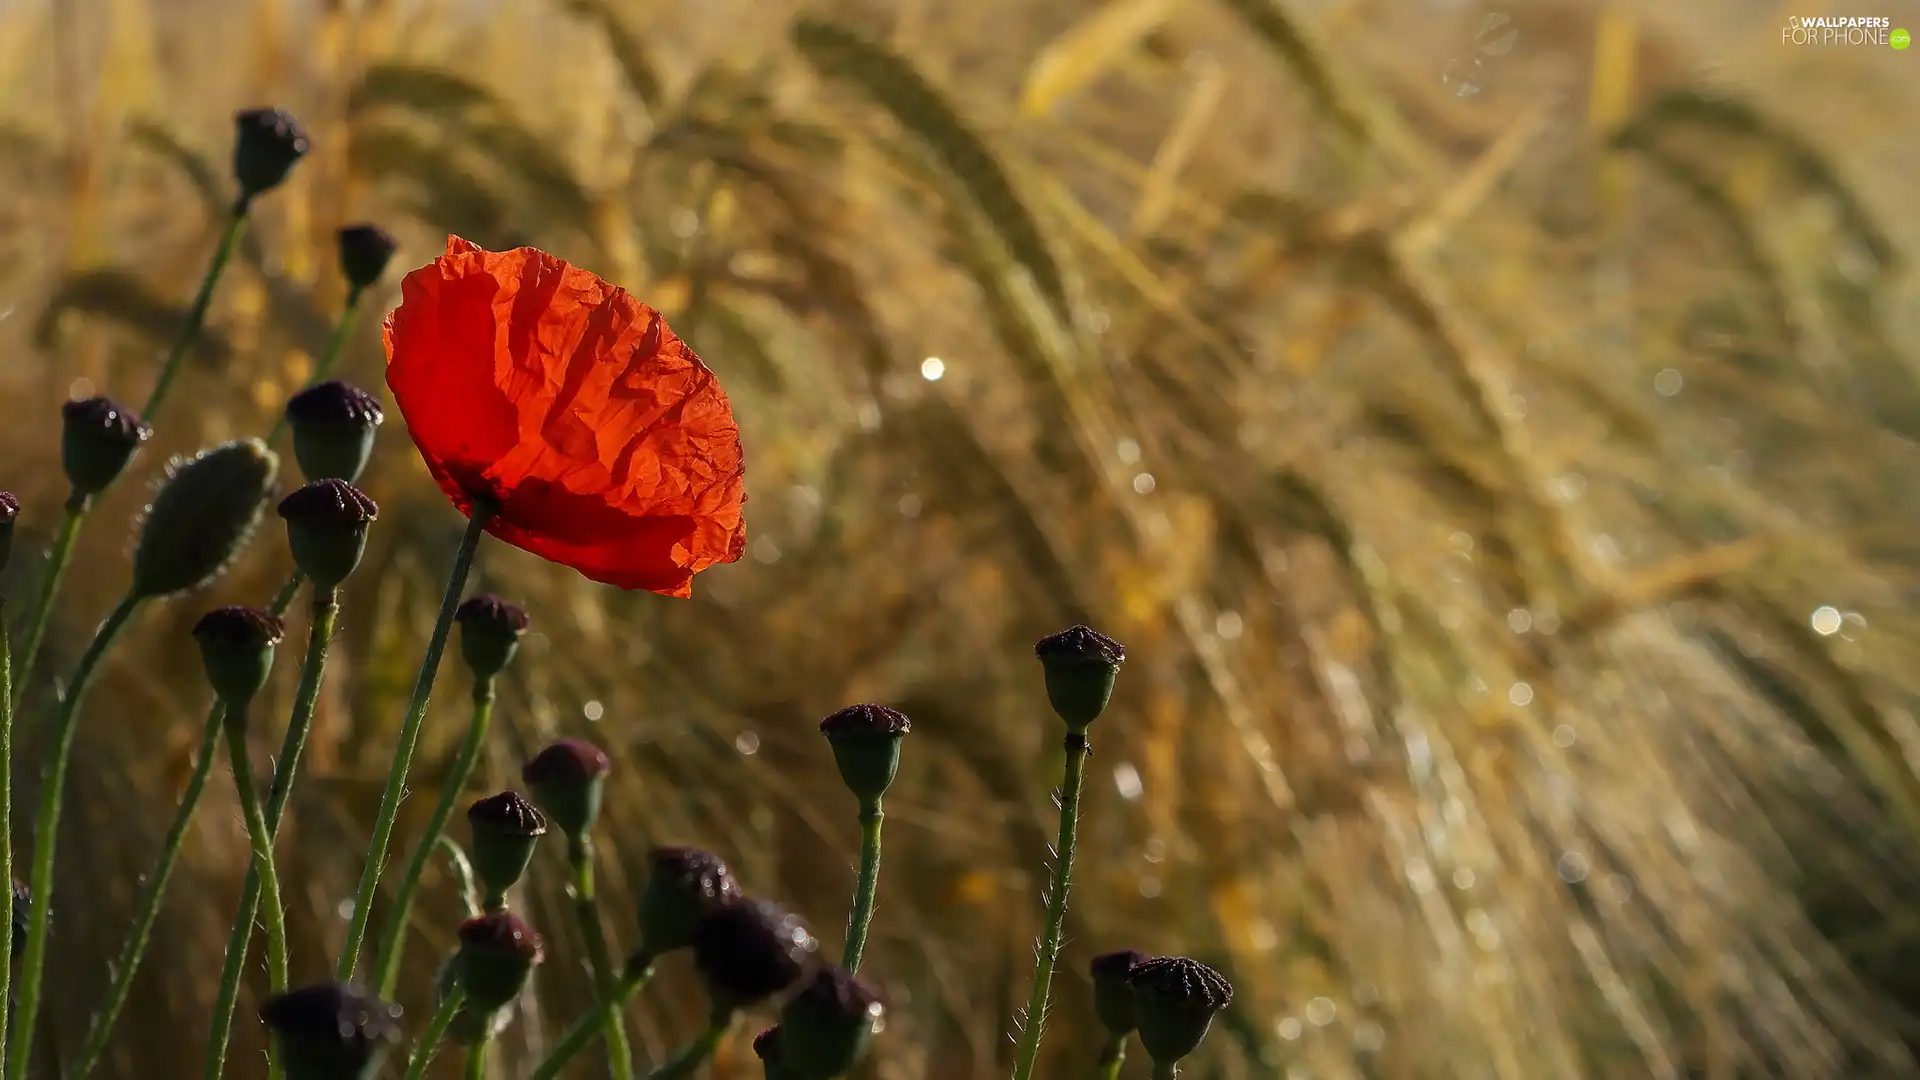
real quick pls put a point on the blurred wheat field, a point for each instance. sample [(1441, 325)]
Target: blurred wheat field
[(1484, 425)]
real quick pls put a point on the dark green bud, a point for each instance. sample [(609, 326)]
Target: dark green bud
[(490, 633), (205, 512), (98, 437), (327, 529), (9, 510), (365, 251), (567, 780), (1081, 665), (748, 951), (826, 1027), (267, 144), (333, 426), (236, 647), (506, 828), (1112, 992), (332, 1032), (866, 747), (684, 885), (1174, 1002), (497, 956)]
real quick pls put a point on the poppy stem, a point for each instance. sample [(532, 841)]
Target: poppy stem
[(1057, 884), (326, 615), (695, 1053), (436, 1032), (6, 806), (871, 819), (477, 1060), (481, 513), (585, 1029), (1112, 1056), (46, 833), (197, 313), (148, 910), (463, 875), (57, 559), (586, 909), (386, 962), (261, 836), (329, 356)]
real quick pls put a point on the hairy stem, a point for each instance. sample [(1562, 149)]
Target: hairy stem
[(588, 1027), (1057, 885), (695, 1053), (329, 355), (436, 1032), (46, 834), (1112, 1056), (462, 874), (6, 807), (147, 911), (871, 819), (586, 909), (56, 570), (326, 613), (477, 1060), (260, 834), (386, 962), (409, 738), (197, 313)]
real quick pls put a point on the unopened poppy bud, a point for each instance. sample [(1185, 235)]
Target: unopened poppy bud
[(748, 951), (1112, 993), (205, 512), (684, 885), (567, 779), (365, 251), (327, 529), (22, 915), (497, 955), (97, 438), (267, 144), (1080, 664), (333, 426), (866, 747), (1174, 1002), (332, 1032), (490, 633), (826, 1027), (9, 510), (506, 828), (236, 647)]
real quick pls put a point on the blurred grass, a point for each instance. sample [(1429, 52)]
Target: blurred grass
[(1487, 435)]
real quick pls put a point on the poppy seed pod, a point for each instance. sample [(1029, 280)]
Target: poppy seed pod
[(826, 1027), (1112, 992), (506, 828), (267, 144), (327, 529), (683, 886), (748, 951), (567, 779), (1174, 1002), (333, 426), (205, 512), (866, 747), (490, 633), (332, 1032), (97, 438), (365, 251), (9, 510), (497, 955), (1081, 665), (236, 647)]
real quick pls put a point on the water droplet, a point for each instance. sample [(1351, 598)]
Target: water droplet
[(1519, 620), (1564, 736), (344, 910), (747, 743), (932, 368), (1228, 625), (1573, 868), (1288, 1029), (1668, 382), (1150, 887), (765, 550), (1144, 483), (1321, 1011), (1826, 621), (1497, 35), (1462, 77), (593, 711), (1127, 451), (910, 506), (1126, 781), (1154, 850), (1463, 879), (684, 223), (1520, 694), (80, 389), (1369, 1037)]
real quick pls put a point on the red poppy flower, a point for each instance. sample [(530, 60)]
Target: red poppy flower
[(604, 441)]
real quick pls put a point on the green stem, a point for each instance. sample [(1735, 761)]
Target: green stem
[(1057, 884), (409, 737), (871, 819), (1112, 1057), (6, 809), (695, 1053), (477, 1060), (261, 835), (46, 833), (586, 909), (386, 963), (283, 599), (462, 874), (148, 910), (197, 313), (590, 1026), (329, 355), (326, 613), (429, 1043), (57, 560)]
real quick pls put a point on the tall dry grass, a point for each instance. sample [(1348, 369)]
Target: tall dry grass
[(1506, 498)]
